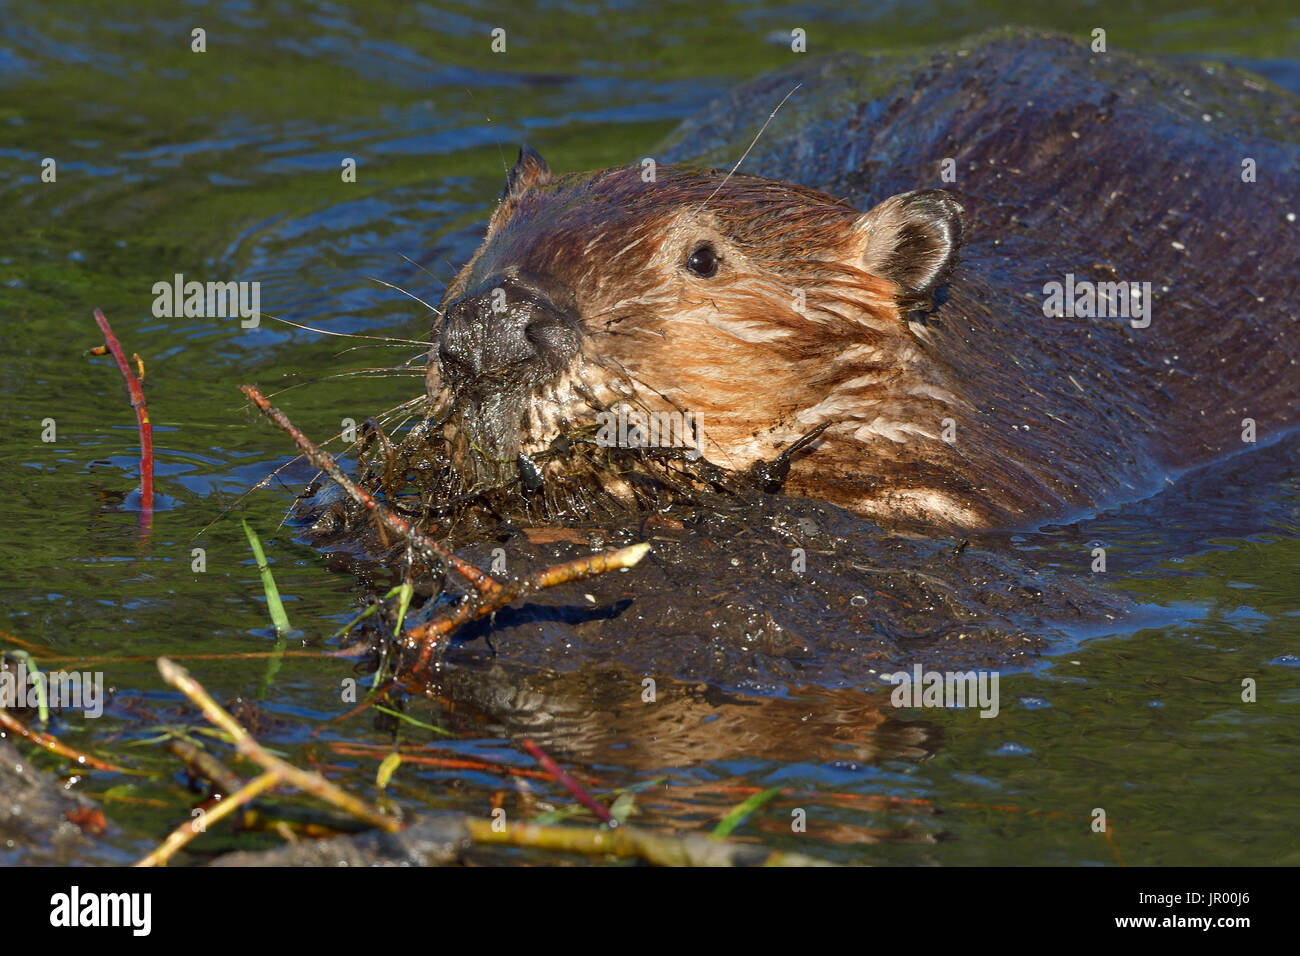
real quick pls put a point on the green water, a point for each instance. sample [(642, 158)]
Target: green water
[(225, 165)]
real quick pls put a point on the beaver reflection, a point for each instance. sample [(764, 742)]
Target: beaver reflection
[(599, 716)]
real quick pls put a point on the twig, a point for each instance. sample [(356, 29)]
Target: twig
[(419, 756), (53, 744), (581, 795), (247, 745), (306, 821), (429, 637), (190, 829), (323, 460), (204, 764), (632, 842), (136, 390)]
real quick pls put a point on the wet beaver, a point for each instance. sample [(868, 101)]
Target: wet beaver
[(1124, 301)]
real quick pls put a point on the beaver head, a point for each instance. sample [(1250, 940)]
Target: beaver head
[(743, 313)]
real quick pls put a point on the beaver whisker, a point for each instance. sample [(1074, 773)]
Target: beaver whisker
[(391, 373), (378, 372), (410, 295), (417, 265), (752, 144), (345, 335), (382, 345)]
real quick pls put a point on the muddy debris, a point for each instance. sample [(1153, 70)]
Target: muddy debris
[(434, 840), (752, 596), (42, 822)]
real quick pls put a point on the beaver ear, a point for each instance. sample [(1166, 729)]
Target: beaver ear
[(911, 239), (529, 170)]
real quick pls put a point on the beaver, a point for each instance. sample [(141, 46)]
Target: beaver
[(987, 298)]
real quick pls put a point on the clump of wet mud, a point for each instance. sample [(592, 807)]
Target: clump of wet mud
[(744, 589), (38, 822), (417, 479)]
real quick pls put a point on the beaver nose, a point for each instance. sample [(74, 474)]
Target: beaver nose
[(509, 323)]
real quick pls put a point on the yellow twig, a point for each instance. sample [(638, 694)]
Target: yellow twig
[(187, 831), (247, 745)]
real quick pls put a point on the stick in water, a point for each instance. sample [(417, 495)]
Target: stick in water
[(136, 390)]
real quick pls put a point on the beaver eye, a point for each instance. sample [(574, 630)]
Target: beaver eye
[(703, 262)]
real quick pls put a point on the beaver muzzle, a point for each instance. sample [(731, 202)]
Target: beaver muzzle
[(511, 331), (502, 344)]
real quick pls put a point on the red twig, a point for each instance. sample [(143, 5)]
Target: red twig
[(582, 796), (483, 583), (16, 727), (447, 763), (492, 594), (135, 389)]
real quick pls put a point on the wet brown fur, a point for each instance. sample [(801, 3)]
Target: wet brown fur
[(1051, 415), (734, 349)]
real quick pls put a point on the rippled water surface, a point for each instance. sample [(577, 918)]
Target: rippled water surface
[(225, 165)]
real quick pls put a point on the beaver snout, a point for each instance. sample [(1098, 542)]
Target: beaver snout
[(510, 327)]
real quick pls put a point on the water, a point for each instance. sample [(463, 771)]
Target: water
[(225, 164)]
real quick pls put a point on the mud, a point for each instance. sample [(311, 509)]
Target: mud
[(36, 819), (428, 841), (751, 597)]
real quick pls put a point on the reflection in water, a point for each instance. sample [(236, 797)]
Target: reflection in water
[(598, 717)]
